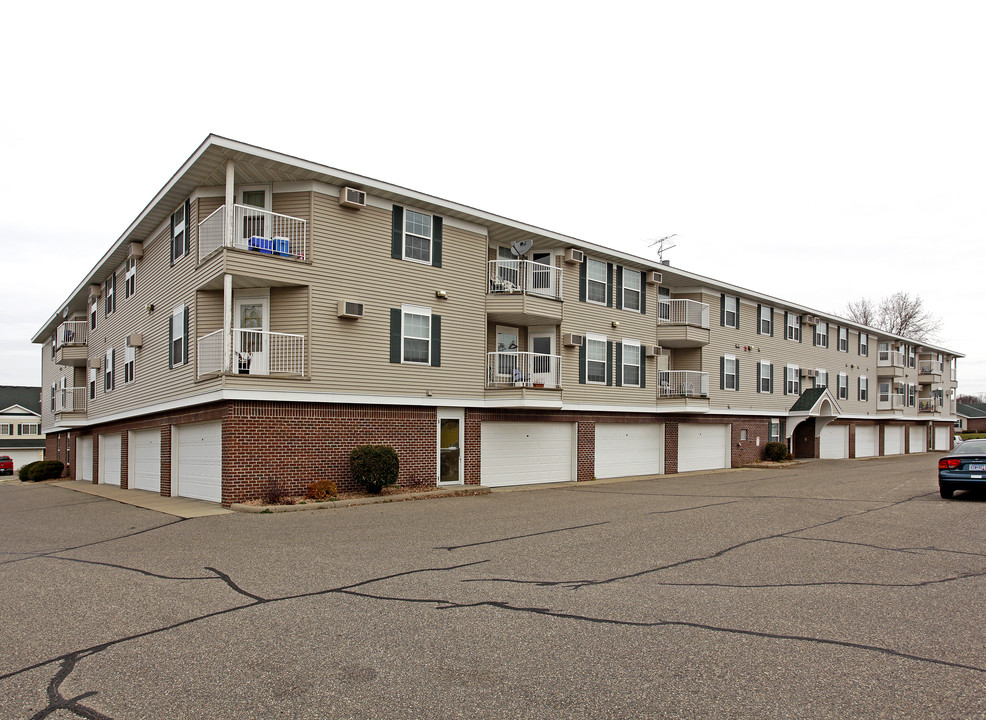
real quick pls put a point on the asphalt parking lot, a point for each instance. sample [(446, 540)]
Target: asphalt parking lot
[(830, 589)]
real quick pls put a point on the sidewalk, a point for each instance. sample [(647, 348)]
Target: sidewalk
[(177, 506)]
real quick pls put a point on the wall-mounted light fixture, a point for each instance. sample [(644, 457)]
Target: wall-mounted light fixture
[(441, 294)]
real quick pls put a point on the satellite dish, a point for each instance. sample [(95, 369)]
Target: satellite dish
[(521, 247)]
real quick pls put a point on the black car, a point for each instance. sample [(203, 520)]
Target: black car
[(963, 469)]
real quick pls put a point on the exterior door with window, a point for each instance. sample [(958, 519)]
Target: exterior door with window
[(251, 342), (541, 275), (507, 271), (543, 360), (450, 456), (507, 347), (250, 220)]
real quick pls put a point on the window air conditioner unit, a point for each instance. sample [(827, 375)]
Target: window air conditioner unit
[(350, 309), (653, 351), (572, 340), (810, 320), (574, 256), (351, 197), (135, 250), (95, 363), (135, 340), (806, 373), (95, 291), (654, 278)]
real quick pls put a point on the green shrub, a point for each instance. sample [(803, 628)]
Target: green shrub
[(374, 466), (775, 451), (41, 470), (322, 489)]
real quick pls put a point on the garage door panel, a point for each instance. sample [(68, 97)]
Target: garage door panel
[(145, 448), (200, 461), (624, 449), (526, 453), (834, 442), (866, 441), (942, 438), (918, 438), (703, 447), (109, 459), (893, 440), (84, 450)]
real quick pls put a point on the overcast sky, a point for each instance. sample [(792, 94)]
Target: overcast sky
[(816, 152)]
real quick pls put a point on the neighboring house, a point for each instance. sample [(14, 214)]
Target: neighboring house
[(969, 418), (263, 315), (20, 424)]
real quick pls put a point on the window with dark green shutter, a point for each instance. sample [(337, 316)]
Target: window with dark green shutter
[(416, 236)]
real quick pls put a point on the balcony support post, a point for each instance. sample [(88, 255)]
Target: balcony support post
[(230, 199), (227, 320)]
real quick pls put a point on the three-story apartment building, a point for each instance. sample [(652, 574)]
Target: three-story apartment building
[(263, 315)]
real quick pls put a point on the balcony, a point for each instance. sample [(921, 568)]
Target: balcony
[(523, 369), (890, 401), (929, 405), (71, 343), (683, 324), (254, 352), (255, 230), (929, 371), (890, 363), (683, 387), (70, 404), (523, 292)]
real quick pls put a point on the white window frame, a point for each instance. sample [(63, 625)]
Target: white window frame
[(93, 313), (180, 228), (793, 329), (635, 292), (769, 312), (821, 333), (842, 386), (430, 237), (843, 339), (131, 277), (589, 280), (29, 429), (792, 379), (109, 295), (864, 344), (178, 336), (726, 374), (864, 389), (129, 357), (819, 372), (6, 428), (725, 311), (912, 393), (912, 356), (774, 430), (590, 339), (766, 372), (421, 311), (93, 377), (108, 379), (623, 370)]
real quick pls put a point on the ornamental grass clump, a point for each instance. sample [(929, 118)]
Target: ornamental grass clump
[(374, 467), (322, 490)]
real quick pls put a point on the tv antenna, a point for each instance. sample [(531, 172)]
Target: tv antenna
[(662, 245)]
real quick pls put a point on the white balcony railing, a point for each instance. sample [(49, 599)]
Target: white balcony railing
[(522, 369), (70, 399), (890, 401), (682, 383), (683, 312), (254, 352), (261, 231), (930, 367), (890, 358), (929, 405), (524, 276), (73, 332)]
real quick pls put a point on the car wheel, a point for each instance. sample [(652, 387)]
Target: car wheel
[(946, 492)]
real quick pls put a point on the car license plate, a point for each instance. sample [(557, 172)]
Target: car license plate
[(977, 467)]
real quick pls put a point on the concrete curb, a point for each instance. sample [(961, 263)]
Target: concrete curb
[(336, 504)]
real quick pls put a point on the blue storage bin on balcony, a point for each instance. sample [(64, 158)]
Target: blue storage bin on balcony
[(282, 246), (261, 244)]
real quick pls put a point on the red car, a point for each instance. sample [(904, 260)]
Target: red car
[(6, 465)]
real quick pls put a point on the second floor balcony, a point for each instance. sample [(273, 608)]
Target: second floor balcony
[(523, 292), (890, 363), (929, 405), (71, 343), (254, 352), (890, 401), (256, 230), (683, 323), (523, 369), (929, 371), (70, 405)]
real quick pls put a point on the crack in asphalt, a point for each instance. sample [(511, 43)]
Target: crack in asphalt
[(50, 507), (518, 537), (56, 701), (696, 507), (595, 491), (906, 550)]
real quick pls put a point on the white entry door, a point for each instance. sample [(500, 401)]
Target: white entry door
[(541, 275), (84, 451), (250, 221), (251, 343), (541, 342)]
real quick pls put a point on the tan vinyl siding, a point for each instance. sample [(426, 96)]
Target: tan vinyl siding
[(208, 312)]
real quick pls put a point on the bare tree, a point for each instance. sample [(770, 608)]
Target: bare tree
[(861, 311), (900, 314)]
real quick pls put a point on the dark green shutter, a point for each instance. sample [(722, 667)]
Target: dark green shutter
[(609, 285), (772, 324), (759, 375), (397, 235), (736, 387), (582, 361), (436, 241), (801, 330), (759, 321), (186, 343), (619, 364), (609, 362), (771, 386), (722, 372), (171, 342), (737, 312), (171, 251), (619, 287), (436, 340), (583, 274), (722, 310), (643, 367), (188, 228), (395, 335), (643, 299)]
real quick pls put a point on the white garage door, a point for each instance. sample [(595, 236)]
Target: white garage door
[(623, 449), (200, 461), (145, 460), (893, 440), (84, 450), (23, 457), (109, 459), (866, 441), (941, 438), (919, 436), (833, 443), (703, 447), (522, 453)]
